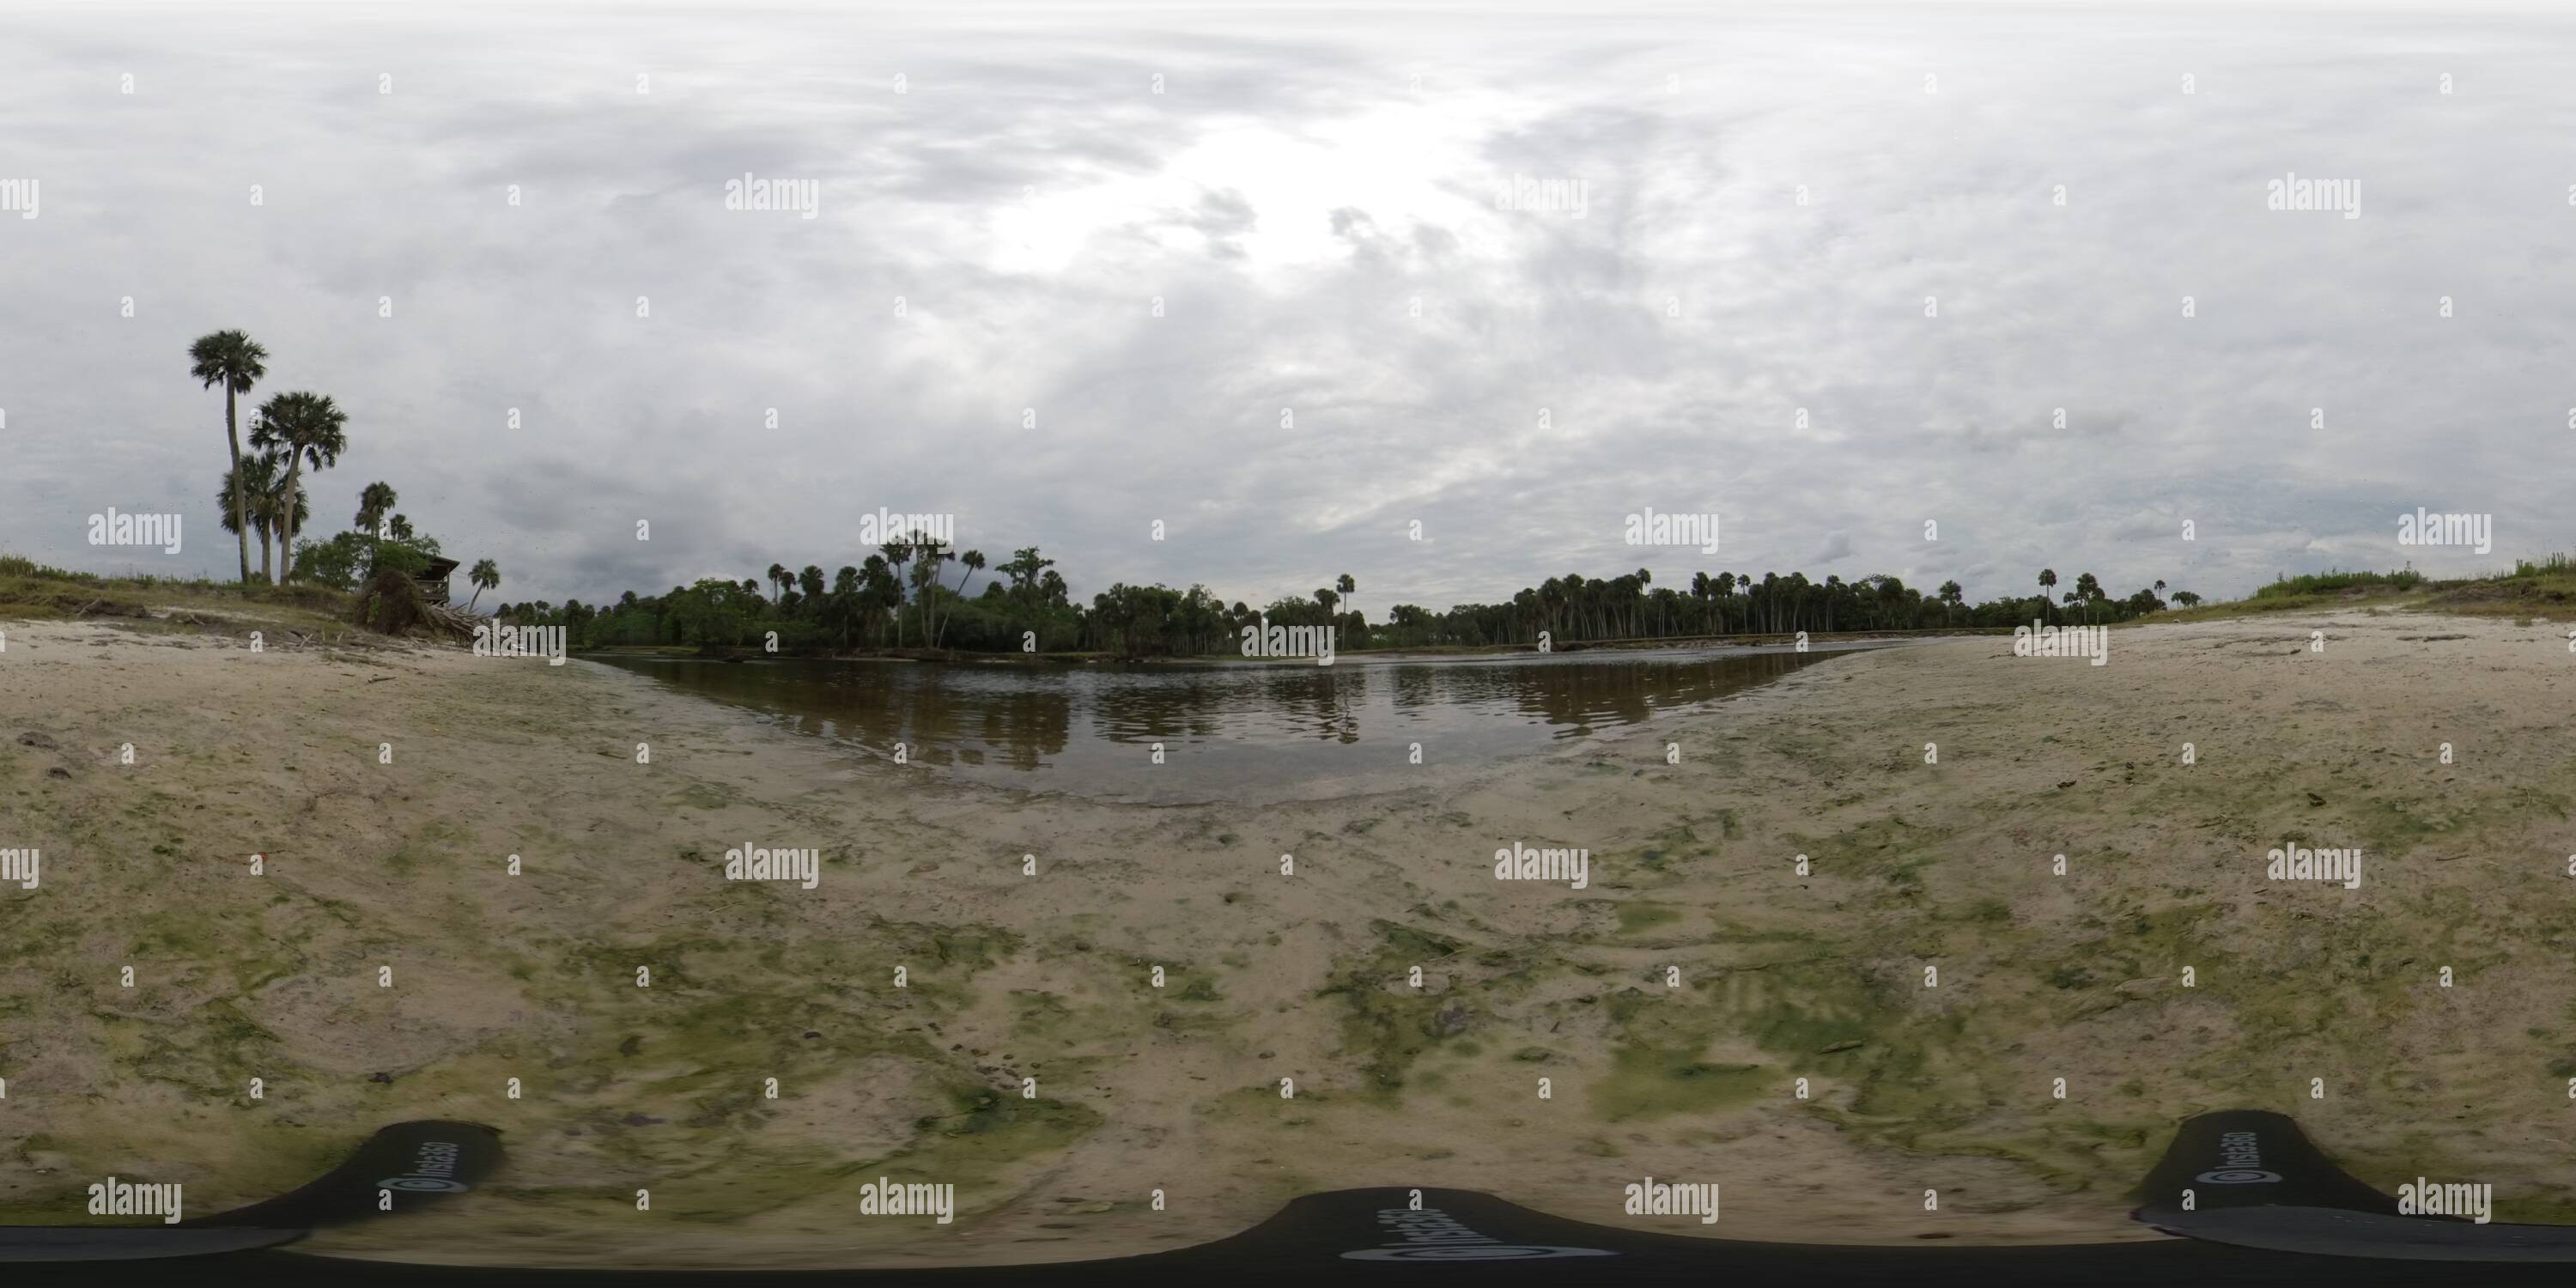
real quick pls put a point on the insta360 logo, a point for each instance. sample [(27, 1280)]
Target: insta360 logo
[(2238, 1156), (432, 1172)]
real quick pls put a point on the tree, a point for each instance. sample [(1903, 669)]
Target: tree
[(2185, 598), (235, 361), (257, 483), (1346, 586), (926, 558), (811, 582), (307, 428), (1950, 599), (974, 561), (2047, 583), (399, 528), (881, 591), (897, 553), (2087, 590), (375, 501), (1325, 597), (485, 576), (779, 580)]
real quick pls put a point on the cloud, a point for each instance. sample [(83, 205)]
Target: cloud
[(1801, 292)]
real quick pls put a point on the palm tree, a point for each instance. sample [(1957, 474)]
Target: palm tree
[(235, 361), (974, 561), (1950, 596), (2047, 583), (897, 554), (811, 582), (779, 579), (877, 582), (257, 483), (307, 427), (399, 528), (927, 556), (375, 501), (1325, 597), (485, 576), (2087, 589), (1346, 586)]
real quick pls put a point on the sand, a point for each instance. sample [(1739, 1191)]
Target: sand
[(1682, 1077)]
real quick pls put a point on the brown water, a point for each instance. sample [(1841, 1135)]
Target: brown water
[(1228, 731)]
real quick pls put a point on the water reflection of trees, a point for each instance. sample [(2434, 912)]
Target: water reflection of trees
[(1023, 718)]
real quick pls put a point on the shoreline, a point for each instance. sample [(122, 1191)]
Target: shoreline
[(1299, 976)]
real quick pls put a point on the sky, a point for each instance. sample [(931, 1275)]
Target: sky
[(1273, 279)]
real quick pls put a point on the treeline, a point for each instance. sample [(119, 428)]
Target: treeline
[(901, 598)]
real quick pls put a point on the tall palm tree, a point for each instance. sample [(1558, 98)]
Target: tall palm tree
[(257, 483), (1346, 586), (811, 582), (308, 428), (399, 527), (235, 361), (485, 576), (2047, 583), (926, 558), (779, 579), (897, 554), (974, 561), (878, 584), (375, 501)]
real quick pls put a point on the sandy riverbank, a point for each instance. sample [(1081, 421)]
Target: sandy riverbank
[(1268, 976)]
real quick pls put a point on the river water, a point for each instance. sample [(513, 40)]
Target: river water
[(1228, 731)]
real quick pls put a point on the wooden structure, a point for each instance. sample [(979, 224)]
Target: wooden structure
[(433, 582)]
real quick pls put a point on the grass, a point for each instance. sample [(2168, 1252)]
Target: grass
[(2531, 591), (30, 591)]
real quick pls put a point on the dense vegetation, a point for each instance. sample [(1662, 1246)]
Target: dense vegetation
[(900, 598)]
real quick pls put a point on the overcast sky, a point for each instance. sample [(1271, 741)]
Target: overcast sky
[(1312, 196)]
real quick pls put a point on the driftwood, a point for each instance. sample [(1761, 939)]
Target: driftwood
[(448, 619), (391, 603)]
